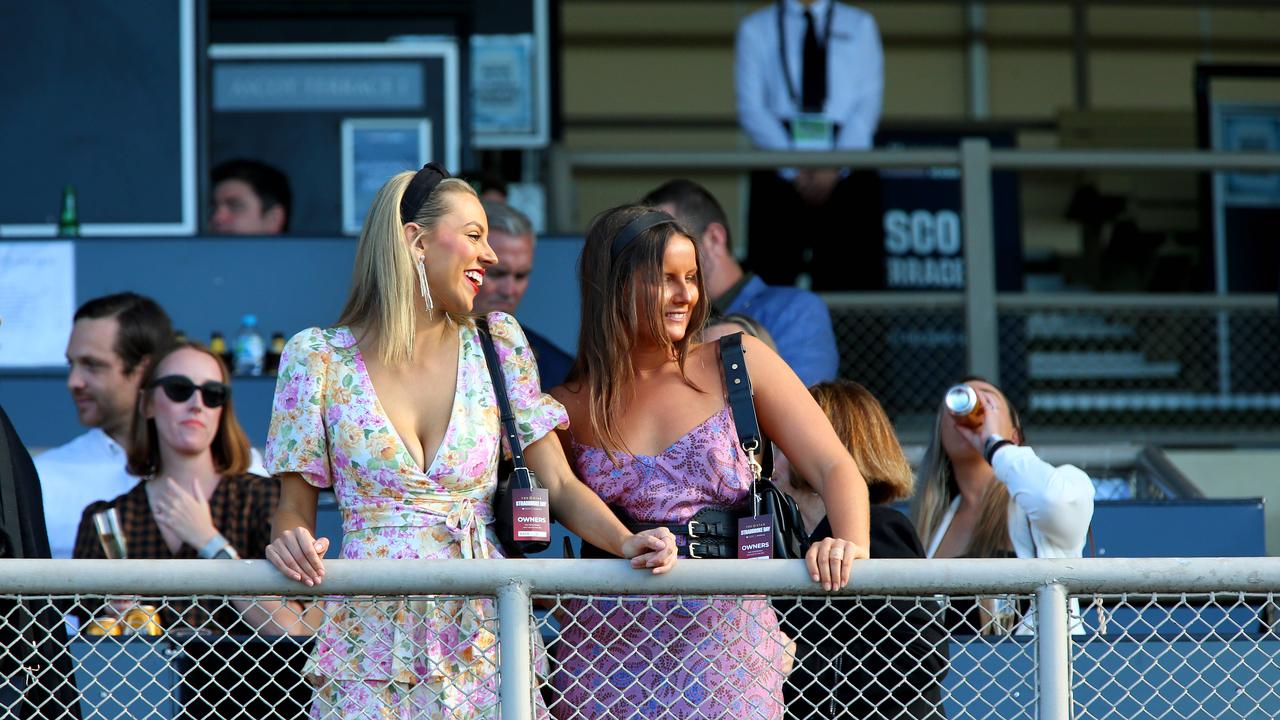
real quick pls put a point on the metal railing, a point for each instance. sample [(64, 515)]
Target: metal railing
[(1054, 639)]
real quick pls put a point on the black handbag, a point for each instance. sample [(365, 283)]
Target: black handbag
[(790, 542), (518, 475)]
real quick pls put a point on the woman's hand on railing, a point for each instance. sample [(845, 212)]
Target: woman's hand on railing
[(299, 555), (651, 549), (829, 561)]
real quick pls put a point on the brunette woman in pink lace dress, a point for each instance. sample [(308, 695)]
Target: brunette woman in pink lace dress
[(651, 433)]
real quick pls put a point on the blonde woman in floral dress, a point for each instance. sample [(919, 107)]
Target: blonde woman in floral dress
[(394, 410)]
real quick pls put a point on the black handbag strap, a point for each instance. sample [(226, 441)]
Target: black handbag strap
[(738, 385), (742, 404), (500, 393)]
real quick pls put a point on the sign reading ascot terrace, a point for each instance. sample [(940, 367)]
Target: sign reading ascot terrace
[(255, 86)]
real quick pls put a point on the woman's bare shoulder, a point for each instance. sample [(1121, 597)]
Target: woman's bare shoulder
[(572, 395)]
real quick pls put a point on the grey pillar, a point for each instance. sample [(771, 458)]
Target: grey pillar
[(515, 658), (981, 340), (1053, 649)]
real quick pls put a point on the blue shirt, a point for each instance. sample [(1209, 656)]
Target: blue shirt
[(855, 73), (799, 322)]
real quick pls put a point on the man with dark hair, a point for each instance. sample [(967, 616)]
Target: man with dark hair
[(512, 238), (797, 319), (250, 198), (112, 340)]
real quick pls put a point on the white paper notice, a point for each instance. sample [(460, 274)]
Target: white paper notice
[(37, 300), (502, 83)]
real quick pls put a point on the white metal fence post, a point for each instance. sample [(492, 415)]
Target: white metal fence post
[(1053, 650), (515, 658), (981, 336)]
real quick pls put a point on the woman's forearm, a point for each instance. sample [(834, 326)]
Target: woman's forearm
[(574, 504), (848, 507), (297, 506), (584, 513)]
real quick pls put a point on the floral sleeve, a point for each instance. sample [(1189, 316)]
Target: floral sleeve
[(297, 441), (536, 412)]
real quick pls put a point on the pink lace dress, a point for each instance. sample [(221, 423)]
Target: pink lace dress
[(661, 656)]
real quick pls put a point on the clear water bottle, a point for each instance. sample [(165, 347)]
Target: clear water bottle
[(249, 348)]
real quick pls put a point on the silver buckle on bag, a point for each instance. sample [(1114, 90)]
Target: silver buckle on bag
[(693, 554)]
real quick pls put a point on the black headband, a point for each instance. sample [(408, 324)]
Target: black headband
[(653, 218), (419, 190)]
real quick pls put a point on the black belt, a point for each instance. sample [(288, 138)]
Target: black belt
[(712, 533)]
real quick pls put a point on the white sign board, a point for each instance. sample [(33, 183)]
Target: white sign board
[(37, 300)]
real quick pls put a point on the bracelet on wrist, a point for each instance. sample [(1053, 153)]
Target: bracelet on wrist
[(992, 446)]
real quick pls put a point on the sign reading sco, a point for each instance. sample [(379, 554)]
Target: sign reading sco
[(923, 249)]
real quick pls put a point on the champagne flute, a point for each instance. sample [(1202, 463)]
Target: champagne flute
[(107, 523)]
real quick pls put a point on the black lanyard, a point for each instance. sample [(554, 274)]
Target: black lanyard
[(782, 46)]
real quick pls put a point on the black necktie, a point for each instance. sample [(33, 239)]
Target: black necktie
[(814, 76)]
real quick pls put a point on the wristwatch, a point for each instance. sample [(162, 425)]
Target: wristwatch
[(219, 548), (993, 443)]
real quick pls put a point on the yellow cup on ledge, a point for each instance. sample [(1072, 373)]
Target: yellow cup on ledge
[(104, 626)]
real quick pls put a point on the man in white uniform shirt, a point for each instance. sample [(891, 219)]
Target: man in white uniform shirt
[(809, 75), (112, 340)]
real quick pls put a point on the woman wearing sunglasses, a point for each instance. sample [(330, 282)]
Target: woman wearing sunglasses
[(195, 499)]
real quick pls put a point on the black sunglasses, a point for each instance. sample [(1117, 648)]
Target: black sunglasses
[(179, 388)]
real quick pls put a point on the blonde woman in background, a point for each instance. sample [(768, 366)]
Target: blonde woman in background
[(876, 658)]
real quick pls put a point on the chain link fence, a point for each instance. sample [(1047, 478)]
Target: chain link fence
[(1077, 366), (873, 656), (952, 639)]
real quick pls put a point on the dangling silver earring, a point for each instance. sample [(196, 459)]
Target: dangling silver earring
[(422, 285)]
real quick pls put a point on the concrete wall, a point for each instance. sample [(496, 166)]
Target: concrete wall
[(1237, 473)]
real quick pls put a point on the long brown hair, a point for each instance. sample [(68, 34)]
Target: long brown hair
[(230, 445), (936, 488), (861, 424), (621, 299)]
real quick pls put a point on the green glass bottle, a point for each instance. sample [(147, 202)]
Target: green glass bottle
[(68, 221)]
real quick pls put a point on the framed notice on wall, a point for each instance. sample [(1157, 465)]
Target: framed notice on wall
[(510, 74), (502, 87), (1252, 127), (1237, 110), (374, 149)]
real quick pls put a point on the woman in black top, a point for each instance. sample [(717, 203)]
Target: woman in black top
[(876, 658)]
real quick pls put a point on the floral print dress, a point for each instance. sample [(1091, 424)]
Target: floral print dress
[(408, 658)]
